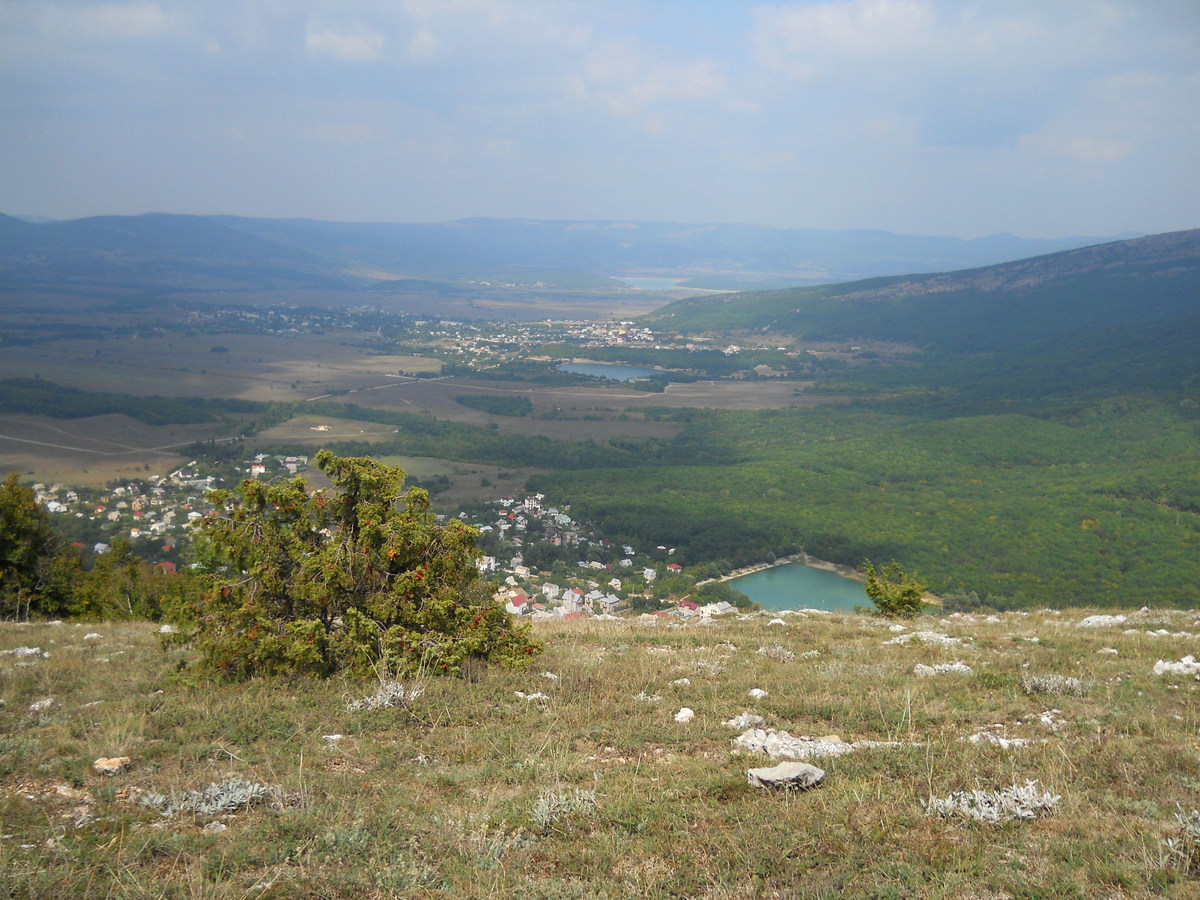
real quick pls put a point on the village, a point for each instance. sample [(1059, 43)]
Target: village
[(545, 564)]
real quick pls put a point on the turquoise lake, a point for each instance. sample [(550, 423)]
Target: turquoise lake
[(796, 586), (611, 371)]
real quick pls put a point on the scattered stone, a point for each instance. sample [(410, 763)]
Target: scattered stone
[(1186, 666), (538, 695), (758, 693), (331, 738), (1011, 804), (745, 720), (995, 740), (25, 652), (810, 654), (91, 637), (1051, 718), (992, 620), (70, 793), (787, 776), (1107, 651), (925, 637), (1101, 621), (685, 715), (39, 705), (681, 682), (215, 828), (114, 765), (168, 629), (781, 745), (550, 676), (777, 622), (941, 669), (647, 698), (897, 628)]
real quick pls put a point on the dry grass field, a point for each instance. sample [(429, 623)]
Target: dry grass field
[(92, 451), (252, 367), (577, 779)]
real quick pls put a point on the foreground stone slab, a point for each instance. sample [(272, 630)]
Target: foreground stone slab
[(112, 765), (787, 776)]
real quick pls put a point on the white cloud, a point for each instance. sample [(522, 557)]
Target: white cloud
[(423, 46), (360, 46), (626, 80), (345, 134), (124, 20), (1079, 148), (818, 40)]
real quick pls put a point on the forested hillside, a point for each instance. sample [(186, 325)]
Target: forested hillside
[(998, 308)]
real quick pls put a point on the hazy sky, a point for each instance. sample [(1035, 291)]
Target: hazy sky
[(1041, 118)]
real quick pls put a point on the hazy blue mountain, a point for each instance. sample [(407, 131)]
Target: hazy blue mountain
[(206, 252)]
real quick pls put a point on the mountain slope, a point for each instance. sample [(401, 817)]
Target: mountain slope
[(999, 307)]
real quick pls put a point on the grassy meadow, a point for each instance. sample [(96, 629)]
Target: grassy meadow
[(519, 784)]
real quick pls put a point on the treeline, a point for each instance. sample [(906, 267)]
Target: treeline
[(420, 435), (39, 397)]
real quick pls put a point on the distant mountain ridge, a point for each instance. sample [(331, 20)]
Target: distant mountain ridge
[(208, 252), (1104, 285), (1111, 317)]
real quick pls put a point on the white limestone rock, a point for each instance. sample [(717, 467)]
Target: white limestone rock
[(786, 776)]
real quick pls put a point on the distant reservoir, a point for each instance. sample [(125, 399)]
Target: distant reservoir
[(797, 586), (651, 284), (611, 371)]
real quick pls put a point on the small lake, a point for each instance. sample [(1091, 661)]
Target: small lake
[(611, 371), (652, 284), (797, 586)]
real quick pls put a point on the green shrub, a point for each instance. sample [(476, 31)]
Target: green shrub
[(358, 577), (894, 594)]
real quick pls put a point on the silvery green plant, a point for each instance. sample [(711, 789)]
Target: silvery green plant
[(1011, 804), (214, 799), (552, 805), (777, 652), (1052, 684), (391, 695), (1182, 852)]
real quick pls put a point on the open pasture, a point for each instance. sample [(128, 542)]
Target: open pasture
[(96, 450), (243, 366), (575, 778), (593, 412)]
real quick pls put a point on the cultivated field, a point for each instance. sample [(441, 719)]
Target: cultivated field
[(578, 778), (93, 451), (250, 367)]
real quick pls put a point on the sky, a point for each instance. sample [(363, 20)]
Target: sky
[(965, 119)]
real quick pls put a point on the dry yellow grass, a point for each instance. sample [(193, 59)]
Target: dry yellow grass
[(593, 789)]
